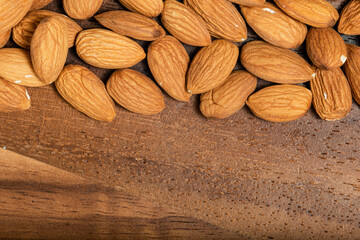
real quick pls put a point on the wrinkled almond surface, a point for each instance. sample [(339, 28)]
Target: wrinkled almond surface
[(12, 11), (4, 37), (349, 22), (352, 70), (81, 9), (249, 2), (149, 8), (38, 4), (13, 97)]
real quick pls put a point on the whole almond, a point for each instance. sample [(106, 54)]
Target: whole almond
[(326, 48), (149, 8), (331, 94), (23, 32), (13, 97), (135, 92), (81, 9), (86, 92), (12, 11), (274, 26), (38, 4), (249, 2), (131, 24), (106, 49), (275, 64), (316, 13), (349, 22), (280, 103), (168, 62), (16, 67), (49, 48), (184, 24), (4, 37), (230, 97), (352, 70), (211, 66), (228, 25)]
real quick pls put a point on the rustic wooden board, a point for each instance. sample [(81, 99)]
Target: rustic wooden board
[(257, 179)]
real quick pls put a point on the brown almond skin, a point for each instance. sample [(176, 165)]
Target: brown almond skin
[(326, 48), (316, 13), (332, 98), (211, 66), (23, 32), (12, 11), (352, 70), (135, 92), (149, 8), (274, 26), (16, 67), (228, 25), (106, 49), (230, 97), (280, 103), (4, 37), (275, 64), (49, 48), (86, 92), (349, 22), (13, 97), (81, 9), (38, 4), (131, 24), (184, 24), (249, 2), (168, 62)]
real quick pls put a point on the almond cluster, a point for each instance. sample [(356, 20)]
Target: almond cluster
[(44, 38)]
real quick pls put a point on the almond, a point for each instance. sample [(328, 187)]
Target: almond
[(16, 67), (13, 97), (230, 97), (331, 94), (12, 11), (149, 8), (211, 66), (249, 2), (316, 13), (131, 24), (274, 26), (275, 64), (135, 92), (24, 31), (352, 70), (106, 49), (86, 92), (4, 37), (184, 24), (49, 48), (349, 22), (168, 62), (81, 9), (325, 48), (38, 4), (228, 25), (280, 103)]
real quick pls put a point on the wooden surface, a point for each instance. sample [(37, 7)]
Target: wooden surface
[(249, 178)]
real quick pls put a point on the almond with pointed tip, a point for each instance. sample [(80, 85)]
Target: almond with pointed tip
[(230, 97), (81, 9), (131, 24), (4, 37), (86, 92), (16, 67), (49, 48), (275, 64), (149, 8), (38, 4), (135, 92), (280, 103), (332, 98), (349, 22), (23, 32), (13, 97), (184, 24), (228, 25), (106, 49), (316, 13), (352, 70), (249, 2), (12, 11), (274, 26), (326, 48), (169, 62), (211, 66)]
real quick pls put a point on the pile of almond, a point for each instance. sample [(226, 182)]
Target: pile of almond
[(44, 38)]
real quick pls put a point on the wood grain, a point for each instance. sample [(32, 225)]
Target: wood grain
[(260, 180)]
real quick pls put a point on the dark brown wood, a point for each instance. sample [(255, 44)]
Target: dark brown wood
[(260, 180)]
